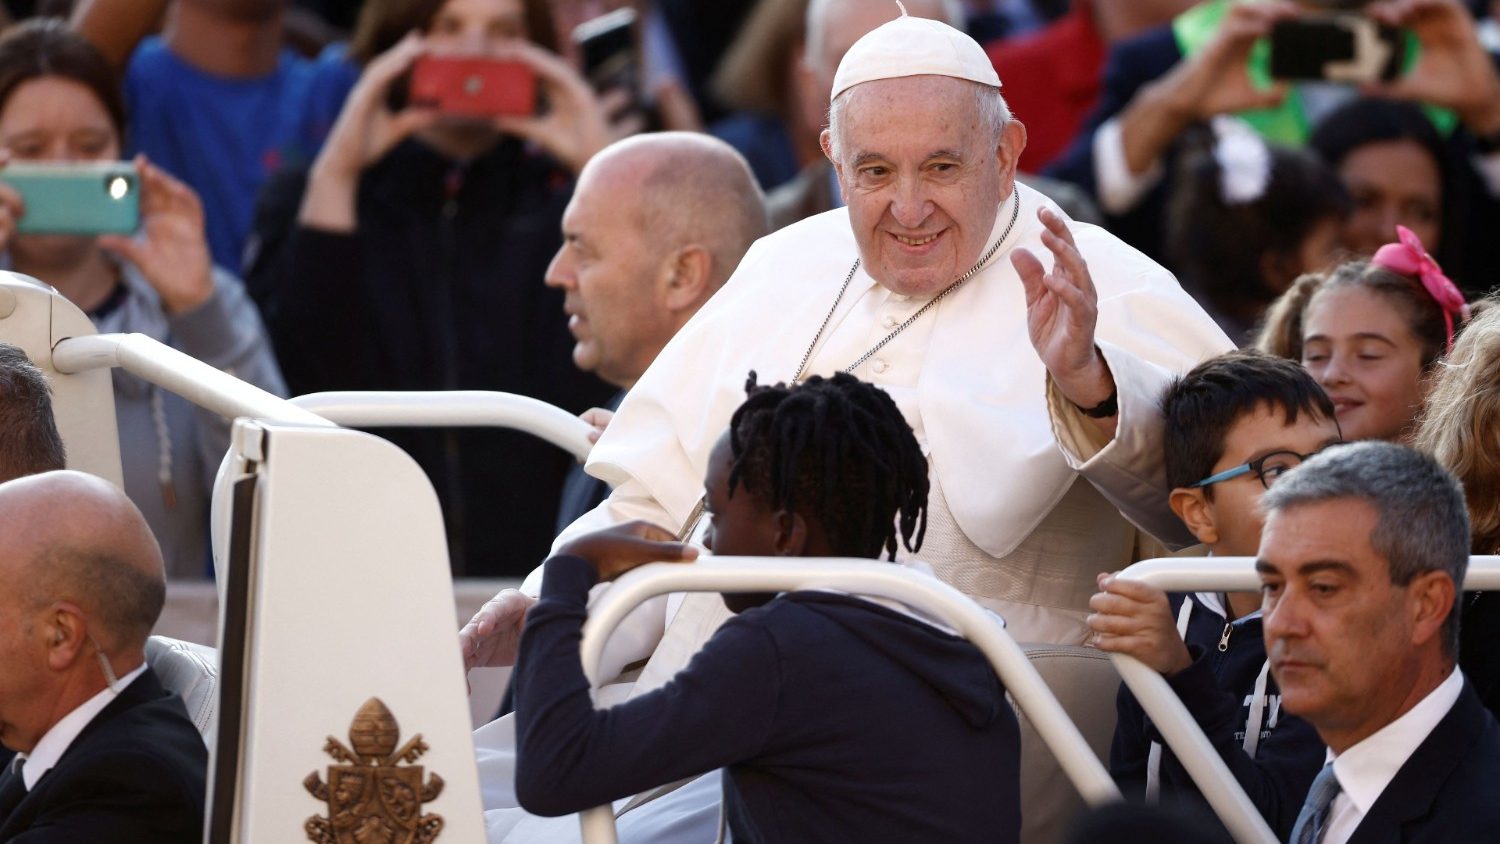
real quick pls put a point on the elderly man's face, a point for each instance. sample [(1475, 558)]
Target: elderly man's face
[(923, 178), (1342, 639)]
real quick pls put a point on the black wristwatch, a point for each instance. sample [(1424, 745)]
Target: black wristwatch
[(1105, 409)]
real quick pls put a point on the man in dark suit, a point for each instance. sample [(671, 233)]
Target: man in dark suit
[(1361, 559), (104, 754)]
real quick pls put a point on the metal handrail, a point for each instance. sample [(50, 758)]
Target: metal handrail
[(452, 408), (1176, 724), (164, 366), (921, 592), (222, 393)]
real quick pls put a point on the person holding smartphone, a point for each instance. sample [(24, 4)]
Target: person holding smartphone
[(60, 104), (411, 255), (1214, 59)]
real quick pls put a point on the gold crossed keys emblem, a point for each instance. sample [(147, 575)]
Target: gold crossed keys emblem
[(371, 799)]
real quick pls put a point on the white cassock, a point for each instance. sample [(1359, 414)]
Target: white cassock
[(1009, 521)]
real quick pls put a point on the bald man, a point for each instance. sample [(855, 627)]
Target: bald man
[(104, 754), (657, 223)]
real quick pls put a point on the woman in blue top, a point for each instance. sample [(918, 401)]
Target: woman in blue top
[(60, 102)]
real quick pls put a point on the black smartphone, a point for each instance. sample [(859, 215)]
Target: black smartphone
[(611, 58), (1338, 47)]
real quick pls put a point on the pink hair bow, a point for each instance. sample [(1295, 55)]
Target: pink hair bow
[(1409, 257)]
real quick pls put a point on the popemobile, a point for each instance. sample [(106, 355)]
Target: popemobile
[(334, 705)]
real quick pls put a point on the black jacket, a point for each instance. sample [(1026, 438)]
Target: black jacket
[(1219, 690), (836, 720), (1446, 790), (439, 289), (1477, 652), (136, 773)]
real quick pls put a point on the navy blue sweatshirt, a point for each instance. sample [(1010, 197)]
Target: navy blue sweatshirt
[(1219, 690), (836, 719)]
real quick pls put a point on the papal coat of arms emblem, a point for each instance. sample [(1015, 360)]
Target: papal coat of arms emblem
[(372, 800)]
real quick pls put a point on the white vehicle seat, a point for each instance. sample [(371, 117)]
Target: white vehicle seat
[(191, 672), (1085, 682)]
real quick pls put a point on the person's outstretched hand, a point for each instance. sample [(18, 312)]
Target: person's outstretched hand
[(598, 419), (1215, 80), (620, 548), (1453, 69), (11, 206), (1135, 619), (1062, 310), (574, 126), (491, 637), (367, 128), (172, 250)]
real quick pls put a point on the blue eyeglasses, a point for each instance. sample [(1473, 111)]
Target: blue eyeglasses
[(1267, 468)]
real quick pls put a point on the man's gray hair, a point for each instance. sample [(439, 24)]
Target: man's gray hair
[(1422, 523), (994, 113), (29, 441)]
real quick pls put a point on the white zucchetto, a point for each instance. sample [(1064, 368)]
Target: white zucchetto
[(909, 46)]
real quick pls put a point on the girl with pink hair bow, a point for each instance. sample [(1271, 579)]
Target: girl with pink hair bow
[(1372, 332)]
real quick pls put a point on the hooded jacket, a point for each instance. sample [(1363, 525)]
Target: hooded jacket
[(170, 449), (836, 719)]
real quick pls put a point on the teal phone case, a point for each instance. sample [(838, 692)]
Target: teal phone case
[(81, 199)]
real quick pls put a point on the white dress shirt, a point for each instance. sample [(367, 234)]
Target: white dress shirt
[(1116, 187), (57, 740), (1364, 770)]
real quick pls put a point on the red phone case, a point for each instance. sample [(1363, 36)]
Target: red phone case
[(475, 87)]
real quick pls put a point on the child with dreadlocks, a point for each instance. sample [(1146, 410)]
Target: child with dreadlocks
[(834, 717)]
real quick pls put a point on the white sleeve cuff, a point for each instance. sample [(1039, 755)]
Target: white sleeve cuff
[(1489, 170), (1117, 188)]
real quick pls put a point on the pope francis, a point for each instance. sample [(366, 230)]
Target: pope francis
[(1017, 379)]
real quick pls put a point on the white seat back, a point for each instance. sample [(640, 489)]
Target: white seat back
[(342, 678), (1085, 683), (34, 318), (190, 671)]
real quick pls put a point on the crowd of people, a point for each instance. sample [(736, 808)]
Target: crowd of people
[(1024, 291)]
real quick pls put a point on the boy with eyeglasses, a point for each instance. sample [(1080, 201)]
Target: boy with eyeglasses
[(1234, 424)]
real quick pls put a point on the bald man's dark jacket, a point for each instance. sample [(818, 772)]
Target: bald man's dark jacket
[(136, 773)]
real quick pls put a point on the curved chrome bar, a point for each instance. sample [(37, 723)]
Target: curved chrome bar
[(1177, 726), (164, 366), (456, 408), (863, 577)]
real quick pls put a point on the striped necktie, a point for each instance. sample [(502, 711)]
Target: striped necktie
[(1314, 815)]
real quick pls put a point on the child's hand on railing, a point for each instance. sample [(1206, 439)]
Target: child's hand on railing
[(620, 548), (1135, 619)]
